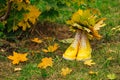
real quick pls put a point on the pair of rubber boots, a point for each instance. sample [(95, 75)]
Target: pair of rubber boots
[(79, 49)]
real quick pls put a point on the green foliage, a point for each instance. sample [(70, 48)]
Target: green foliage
[(60, 10), (2, 27), (23, 12), (44, 73)]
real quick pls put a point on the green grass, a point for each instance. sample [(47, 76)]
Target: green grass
[(109, 46)]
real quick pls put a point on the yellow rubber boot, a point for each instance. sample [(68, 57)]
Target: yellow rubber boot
[(71, 52), (84, 51)]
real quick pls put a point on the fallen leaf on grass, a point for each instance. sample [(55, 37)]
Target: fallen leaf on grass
[(89, 62), (93, 72), (110, 58), (69, 40), (51, 48), (18, 57), (45, 63), (34, 52), (111, 51), (65, 71), (17, 69), (36, 40), (2, 50), (111, 76), (49, 38), (117, 28)]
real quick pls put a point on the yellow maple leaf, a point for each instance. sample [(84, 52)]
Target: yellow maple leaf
[(65, 71), (93, 72), (97, 27), (99, 24), (51, 48), (112, 76), (18, 57), (76, 16), (21, 6), (20, 1), (30, 16), (17, 69), (33, 14), (89, 62), (45, 50), (49, 38), (110, 58), (15, 28), (45, 62), (117, 28), (27, 1), (95, 33), (36, 40), (24, 25)]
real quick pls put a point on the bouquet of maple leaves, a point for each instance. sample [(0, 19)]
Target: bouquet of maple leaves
[(86, 25)]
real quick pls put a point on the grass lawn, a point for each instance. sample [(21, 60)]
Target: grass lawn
[(106, 54)]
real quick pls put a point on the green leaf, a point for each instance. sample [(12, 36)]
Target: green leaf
[(2, 2), (41, 5), (1, 26)]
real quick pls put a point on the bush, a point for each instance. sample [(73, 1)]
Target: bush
[(22, 14)]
